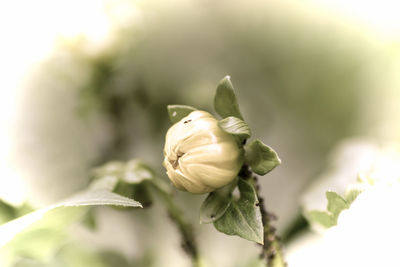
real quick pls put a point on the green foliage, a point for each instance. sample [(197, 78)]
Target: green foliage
[(321, 217), (352, 192), (225, 103), (39, 234), (216, 204), (243, 216), (177, 112), (336, 204), (260, 157), (7, 212), (236, 127)]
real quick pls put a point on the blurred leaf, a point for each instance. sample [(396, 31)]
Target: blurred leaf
[(260, 157), (89, 219), (9, 230), (136, 171), (243, 216), (328, 218), (236, 127), (216, 204), (336, 203), (108, 182), (112, 168), (113, 258), (321, 217), (142, 194), (225, 102), (7, 212), (75, 255), (177, 112), (353, 191)]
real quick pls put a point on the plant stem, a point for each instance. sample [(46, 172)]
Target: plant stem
[(188, 242), (271, 250)]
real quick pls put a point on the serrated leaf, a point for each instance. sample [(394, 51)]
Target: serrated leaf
[(260, 157), (216, 204), (87, 198), (321, 217), (225, 102), (236, 127), (243, 216), (178, 112), (335, 203)]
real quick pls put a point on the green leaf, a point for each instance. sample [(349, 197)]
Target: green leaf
[(87, 198), (353, 191), (177, 112), (89, 219), (225, 102), (216, 204), (7, 212), (336, 203), (260, 157), (136, 171), (243, 216), (236, 127), (322, 217), (98, 198)]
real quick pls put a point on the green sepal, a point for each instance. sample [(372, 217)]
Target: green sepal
[(225, 102), (260, 157), (177, 112), (236, 127)]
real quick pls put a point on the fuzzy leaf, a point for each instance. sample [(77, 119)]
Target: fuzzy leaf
[(260, 157), (216, 204), (177, 112), (225, 102), (236, 127), (243, 216)]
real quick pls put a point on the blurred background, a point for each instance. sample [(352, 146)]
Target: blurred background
[(87, 82)]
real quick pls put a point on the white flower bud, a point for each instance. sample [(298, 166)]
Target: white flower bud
[(199, 156)]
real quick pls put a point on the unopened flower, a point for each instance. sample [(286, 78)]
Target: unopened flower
[(199, 156)]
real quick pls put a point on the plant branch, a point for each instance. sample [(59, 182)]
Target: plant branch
[(272, 249)]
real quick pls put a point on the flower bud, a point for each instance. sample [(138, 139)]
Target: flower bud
[(199, 156)]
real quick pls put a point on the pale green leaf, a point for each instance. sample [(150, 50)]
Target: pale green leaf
[(225, 102), (260, 157), (236, 127), (353, 191), (87, 198), (243, 216), (178, 112), (321, 217), (336, 203)]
